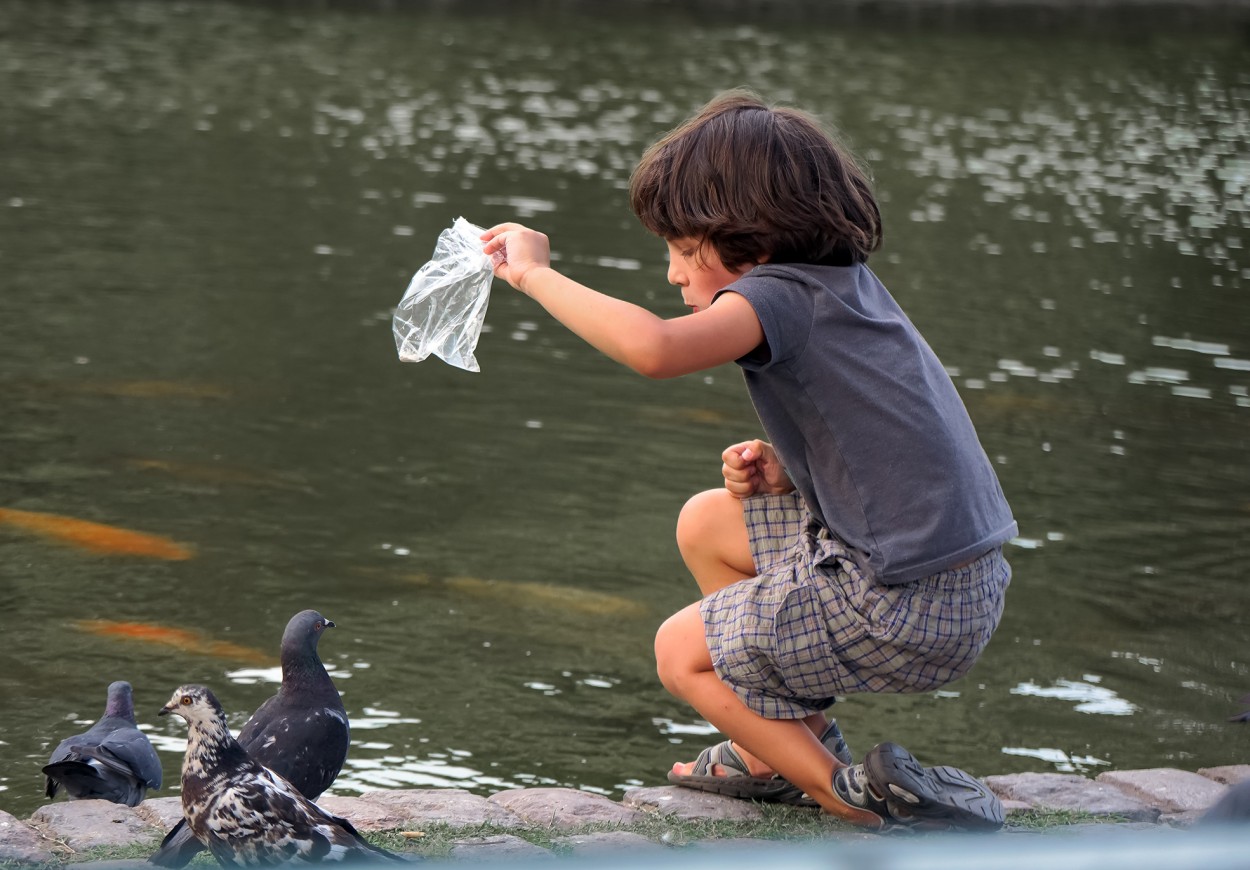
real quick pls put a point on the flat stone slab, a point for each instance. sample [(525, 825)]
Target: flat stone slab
[(1070, 791), (564, 808), (689, 803), (90, 823), (1172, 791), (497, 848), (1228, 774), (411, 808), (20, 842), (607, 843), (162, 812)]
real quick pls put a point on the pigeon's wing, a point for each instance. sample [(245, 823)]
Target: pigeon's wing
[(259, 818), (178, 848), (260, 721), (129, 750), (306, 745), (70, 746)]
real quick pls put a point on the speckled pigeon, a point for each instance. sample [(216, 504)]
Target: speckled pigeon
[(300, 733), (243, 812), (113, 760)]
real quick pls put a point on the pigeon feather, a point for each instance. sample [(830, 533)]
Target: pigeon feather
[(113, 760), (244, 813), (301, 732)]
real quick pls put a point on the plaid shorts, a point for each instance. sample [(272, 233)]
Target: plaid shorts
[(812, 626)]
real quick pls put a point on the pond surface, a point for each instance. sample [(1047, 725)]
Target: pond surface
[(209, 211)]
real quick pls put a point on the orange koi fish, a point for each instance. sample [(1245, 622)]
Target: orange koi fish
[(96, 537), (521, 593), (178, 638)]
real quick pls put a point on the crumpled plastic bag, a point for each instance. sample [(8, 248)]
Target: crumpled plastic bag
[(444, 307)]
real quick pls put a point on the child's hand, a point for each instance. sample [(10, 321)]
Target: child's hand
[(752, 467), (516, 250)]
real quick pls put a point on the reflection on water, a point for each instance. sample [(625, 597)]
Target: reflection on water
[(208, 212), (1060, 761), (1090, 697)]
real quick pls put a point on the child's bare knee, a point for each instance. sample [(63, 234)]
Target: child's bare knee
[(699, 517), (668, 658)]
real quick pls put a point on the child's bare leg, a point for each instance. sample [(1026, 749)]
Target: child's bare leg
[(789, 747), (712, 538)]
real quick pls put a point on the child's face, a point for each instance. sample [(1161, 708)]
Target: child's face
[(699, 274)]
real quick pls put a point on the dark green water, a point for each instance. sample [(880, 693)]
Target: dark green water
[(208, 212)]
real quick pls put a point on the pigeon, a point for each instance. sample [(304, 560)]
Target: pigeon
[(301, 733), (243, 812), (113, 760)]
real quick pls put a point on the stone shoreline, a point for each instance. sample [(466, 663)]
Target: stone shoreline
[(64, 832)]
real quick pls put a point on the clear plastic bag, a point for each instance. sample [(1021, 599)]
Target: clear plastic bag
[(445, 304)]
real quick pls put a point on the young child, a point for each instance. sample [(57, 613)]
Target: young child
[(859, 548)]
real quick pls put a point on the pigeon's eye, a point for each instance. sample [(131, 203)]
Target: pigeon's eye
[(318, 625), (185, 700)]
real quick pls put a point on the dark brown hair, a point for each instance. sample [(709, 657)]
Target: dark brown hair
[(757, 183)]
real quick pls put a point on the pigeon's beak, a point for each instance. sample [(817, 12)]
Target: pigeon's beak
[(164, 711), (329, 624)]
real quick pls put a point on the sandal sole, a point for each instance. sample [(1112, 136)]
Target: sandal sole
[(741, 787), (936, 798)]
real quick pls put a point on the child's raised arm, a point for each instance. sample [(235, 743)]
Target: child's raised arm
[(628, 333)]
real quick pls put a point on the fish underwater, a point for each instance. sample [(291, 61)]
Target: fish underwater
[(522, 593), (179, 638), (96, 537)]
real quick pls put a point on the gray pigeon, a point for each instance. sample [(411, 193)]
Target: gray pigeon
[(243, 812), (113, 760), (301, 733)]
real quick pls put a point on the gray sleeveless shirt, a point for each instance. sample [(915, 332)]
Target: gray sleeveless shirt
[(868, 424)]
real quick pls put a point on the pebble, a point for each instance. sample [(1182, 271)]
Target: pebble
[(1158, 799)]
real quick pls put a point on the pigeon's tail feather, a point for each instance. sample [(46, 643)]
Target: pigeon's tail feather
[(178, 848), (82, 780), (363, 849), (61, 773)]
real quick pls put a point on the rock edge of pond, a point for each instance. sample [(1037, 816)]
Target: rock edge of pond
[(1160, 799)]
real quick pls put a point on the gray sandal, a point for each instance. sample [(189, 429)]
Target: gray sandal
[(738, 782), (892, 784)]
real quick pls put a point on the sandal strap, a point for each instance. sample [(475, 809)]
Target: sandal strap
[(725, 755)]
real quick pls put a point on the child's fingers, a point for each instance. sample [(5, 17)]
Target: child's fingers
[(739, 455), (496, 239), (497, 229)]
